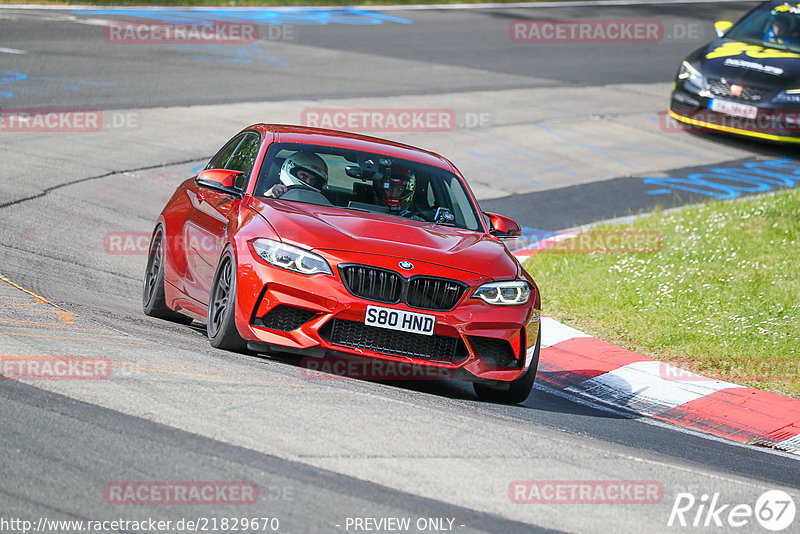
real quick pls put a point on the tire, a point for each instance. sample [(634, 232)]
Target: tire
[(520, 389), (220, 323), (153, 302)]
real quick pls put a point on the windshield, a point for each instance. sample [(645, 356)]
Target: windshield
[(778, 27), (367, 182)]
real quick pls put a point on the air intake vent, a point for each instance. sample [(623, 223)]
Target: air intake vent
[(360, 336), (495, 352), (285, 318)]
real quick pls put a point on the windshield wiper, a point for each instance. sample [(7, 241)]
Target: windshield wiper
[(779, 46)]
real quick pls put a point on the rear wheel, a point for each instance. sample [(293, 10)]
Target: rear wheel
[(519, 389), (221, 326), (153, 301)]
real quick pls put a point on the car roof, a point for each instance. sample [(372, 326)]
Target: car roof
[(286, 133)]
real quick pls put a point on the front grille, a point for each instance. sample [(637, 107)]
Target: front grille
[(382, 285), (360, 336), (433, 293), (372, 284), (495, 352), (285, 318), (721, 87)]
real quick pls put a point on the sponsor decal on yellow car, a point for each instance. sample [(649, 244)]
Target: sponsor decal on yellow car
[(754, 51)]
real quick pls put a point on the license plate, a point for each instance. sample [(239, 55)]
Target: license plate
[(405, 321), (733, 108)]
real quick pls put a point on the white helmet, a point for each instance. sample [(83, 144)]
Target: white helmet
[(308, 162)]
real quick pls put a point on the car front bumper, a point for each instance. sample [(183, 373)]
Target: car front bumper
[(316, 316), (770, 123)]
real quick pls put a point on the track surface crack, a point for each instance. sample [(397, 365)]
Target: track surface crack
[(49, 190)]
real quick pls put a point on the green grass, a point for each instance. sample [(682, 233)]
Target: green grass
[(722, 298)]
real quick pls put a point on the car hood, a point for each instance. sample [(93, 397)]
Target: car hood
[(331, 228), (748, 64)]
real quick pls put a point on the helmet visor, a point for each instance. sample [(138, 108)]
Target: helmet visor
[(308, 176)]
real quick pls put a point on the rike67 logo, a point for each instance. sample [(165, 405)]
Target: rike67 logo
[(774, 510)]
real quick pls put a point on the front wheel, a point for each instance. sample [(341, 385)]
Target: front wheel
[(519, 389), (153, 301), (220, 324)]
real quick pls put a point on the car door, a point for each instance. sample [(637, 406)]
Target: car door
[(205, 233)]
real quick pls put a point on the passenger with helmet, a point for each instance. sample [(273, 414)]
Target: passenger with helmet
[(780, 30), (301, 169), (396, 190)]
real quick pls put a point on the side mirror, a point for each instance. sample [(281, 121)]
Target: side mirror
[(722, 27), (503, 227), (220, 180)]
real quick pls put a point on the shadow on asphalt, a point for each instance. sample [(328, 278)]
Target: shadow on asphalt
[(761, 147), (538, 401)]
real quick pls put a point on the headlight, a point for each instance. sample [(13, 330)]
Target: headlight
[(790, 96), (504, 293), (689, 73), (290, 257)]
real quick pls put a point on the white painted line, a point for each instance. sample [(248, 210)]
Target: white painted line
[(791, 445), (616, 410), (640, 387), (92, 22), (554, 332), (12, 51)]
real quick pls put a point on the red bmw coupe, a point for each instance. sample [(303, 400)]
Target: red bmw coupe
[(337, 245)]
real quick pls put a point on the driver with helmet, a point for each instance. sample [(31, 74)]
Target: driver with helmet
[(780, 30), (396, 190), (301, 169)]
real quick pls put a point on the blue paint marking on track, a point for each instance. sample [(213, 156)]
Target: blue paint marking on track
[(731, 182), (510, 173), (608, 150), (8, 77), (298, 16), (513, 150), (241, 54), (14, 81), (594, 148)]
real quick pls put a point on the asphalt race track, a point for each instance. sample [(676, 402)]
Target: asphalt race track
[(554, 134)]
